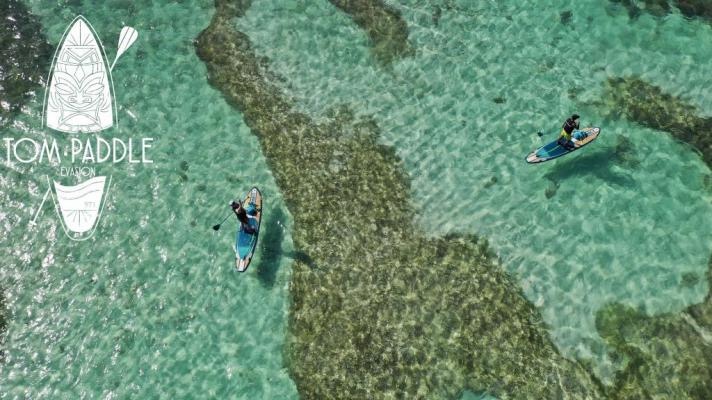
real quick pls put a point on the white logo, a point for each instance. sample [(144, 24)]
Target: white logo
[(79, 95), (80, 206), (79, 99)]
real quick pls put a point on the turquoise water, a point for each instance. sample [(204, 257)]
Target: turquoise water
[(613, 231), (468, 395), (152, 306)]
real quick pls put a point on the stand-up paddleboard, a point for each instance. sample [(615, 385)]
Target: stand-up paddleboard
[(245, 243), (554, 149)]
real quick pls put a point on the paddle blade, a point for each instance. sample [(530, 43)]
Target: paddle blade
[(216, 227), (127, 37)]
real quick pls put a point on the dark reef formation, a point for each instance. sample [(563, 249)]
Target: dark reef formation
[(649, 106), (565, 17), (383, 24), (25, 58), (667, 356), (3, 324), (378, 310), (689, 8), (695, 8)]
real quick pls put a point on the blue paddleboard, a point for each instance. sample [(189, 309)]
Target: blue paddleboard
[(554, 150), (246, 242)]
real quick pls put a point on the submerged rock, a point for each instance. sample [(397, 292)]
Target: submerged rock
[(690, 279), (659, 8), (649, 106), (551, 190), (667, 356), (695, 8), (707, 182), (437, 14), (387, 312), (23, 65), (25, 58), (689, 8), (491, 182), (624, 152), (383, 24), (565, 17), (631, 6), (3, 324)]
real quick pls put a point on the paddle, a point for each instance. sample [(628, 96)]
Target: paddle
[(32, 223), (127, 37), (217, 227)]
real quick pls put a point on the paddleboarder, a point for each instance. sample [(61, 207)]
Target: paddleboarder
[(566, 132), (242, 216)]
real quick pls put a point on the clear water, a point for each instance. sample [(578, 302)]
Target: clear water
[(612, 231), (468, 395), (153, 308)]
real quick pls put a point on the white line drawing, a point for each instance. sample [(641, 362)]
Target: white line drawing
[(127, 37), (80, 206), (44, 198), (79, 96)]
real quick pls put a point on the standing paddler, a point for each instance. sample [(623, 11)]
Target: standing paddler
[(242, 216), (565, 139)]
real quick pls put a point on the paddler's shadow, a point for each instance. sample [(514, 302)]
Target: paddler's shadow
[(272, 251), (270, 247), (598, 164)]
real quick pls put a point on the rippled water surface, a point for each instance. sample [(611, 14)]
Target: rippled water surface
[(579, 232), (151, 306)]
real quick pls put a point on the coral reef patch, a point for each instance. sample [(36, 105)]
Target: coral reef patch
[(378, 309), (689, 8), (649, 106), (383, 24), (667, 356), (24, 48)]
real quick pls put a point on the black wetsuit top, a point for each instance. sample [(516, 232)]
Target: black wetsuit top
[(241, 215), (570, 125)]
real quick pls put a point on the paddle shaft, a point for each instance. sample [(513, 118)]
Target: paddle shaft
[(217, 227), (40, 207)]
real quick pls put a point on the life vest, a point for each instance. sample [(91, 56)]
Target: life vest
[(568, 128), (565, 135)]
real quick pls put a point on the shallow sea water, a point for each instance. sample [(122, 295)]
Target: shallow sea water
[(463, 112), (151, 307)]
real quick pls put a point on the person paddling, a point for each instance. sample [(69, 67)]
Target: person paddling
[(567, 130), (242, 216)]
